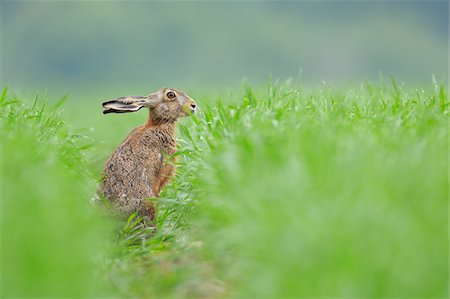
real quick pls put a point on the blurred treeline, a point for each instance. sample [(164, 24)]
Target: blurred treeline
[(83, 47)]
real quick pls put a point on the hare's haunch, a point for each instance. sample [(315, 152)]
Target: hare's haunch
[(138, 169)]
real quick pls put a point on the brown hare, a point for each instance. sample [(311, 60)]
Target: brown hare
[(138, 169)]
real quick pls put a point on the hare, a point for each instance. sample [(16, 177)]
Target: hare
[(137, 170)]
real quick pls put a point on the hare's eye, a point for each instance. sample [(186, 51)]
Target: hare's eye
[(171, 95)]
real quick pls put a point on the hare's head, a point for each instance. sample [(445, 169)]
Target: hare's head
[(167, 104)]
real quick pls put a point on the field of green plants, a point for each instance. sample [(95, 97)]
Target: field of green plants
[(282, 191)]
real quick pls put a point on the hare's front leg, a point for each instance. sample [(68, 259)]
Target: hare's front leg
[(163, 177)]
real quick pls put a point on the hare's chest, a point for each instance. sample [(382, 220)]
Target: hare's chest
[(159, 142), (167, 144)]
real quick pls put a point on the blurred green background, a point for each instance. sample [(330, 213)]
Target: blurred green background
[(139, 46)]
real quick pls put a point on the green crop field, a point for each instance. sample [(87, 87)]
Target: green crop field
[(282, 191)]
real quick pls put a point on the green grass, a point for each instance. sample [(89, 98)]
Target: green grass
[(281, 191), (51, 237)]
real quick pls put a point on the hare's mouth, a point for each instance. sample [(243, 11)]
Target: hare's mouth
[(189, 110)]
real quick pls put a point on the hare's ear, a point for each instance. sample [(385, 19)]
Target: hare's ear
[(125, 104)]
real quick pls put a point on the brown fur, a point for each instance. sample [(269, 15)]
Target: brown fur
[(138, 170)]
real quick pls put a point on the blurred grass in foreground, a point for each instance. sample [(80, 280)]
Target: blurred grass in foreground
[(328, 193), (51, 237), (280, 192)]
